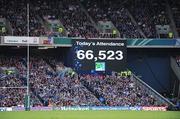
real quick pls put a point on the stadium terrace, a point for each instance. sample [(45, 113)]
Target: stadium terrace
[(95, 59)]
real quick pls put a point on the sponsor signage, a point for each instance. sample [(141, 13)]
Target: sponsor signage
[(21, 40), (136, 108), (41, 108), (46, 40), (154, 108), (5, 109)]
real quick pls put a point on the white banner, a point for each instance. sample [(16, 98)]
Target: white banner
[(21, 40), (5, 109)]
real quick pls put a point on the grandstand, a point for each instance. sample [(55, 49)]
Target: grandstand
[(90, 19), (89, 55)]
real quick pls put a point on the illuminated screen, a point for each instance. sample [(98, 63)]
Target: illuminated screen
[(93, 55), (100, 66)]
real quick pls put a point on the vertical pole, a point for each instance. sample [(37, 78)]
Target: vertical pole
[(27, 107), (179, 91)]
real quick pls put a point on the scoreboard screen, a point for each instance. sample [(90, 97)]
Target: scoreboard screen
[(99, 56)]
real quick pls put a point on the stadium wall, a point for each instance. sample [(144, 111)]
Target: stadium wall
[(153, 65)]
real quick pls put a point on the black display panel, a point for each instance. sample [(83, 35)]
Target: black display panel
[(99, 56)]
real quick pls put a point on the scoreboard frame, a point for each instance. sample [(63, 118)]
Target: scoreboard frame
[(88, 52)]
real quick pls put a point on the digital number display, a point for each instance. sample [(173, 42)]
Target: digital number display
[(99, 55), (102, 55)]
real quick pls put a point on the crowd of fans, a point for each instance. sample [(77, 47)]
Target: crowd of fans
[(149, 13), (113, 11), (36, 27), (13, 85), (71, 15), (118, 91), (11, 97), (16, 13), (76, 16), (174, 4), (61, 86), (62, 91)]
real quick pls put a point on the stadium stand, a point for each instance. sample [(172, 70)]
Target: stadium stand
[(12, 84), (153, 13), (113, 11), (58, 91), (70, 15), (15, 13), (48, 88), (118, 91), (80, 18), (176, 13), (51, 83)]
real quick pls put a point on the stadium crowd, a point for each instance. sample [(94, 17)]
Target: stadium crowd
[(80, 18), (118, 91), (153, 13), (174, 4), (56, 85), (16, 13), (113, 11), (13, 82), (62, 91), (63, 87)]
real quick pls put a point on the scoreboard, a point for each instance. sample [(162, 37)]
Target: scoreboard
[(99, 56)]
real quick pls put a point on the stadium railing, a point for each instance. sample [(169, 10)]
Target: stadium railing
[(153, 92)]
